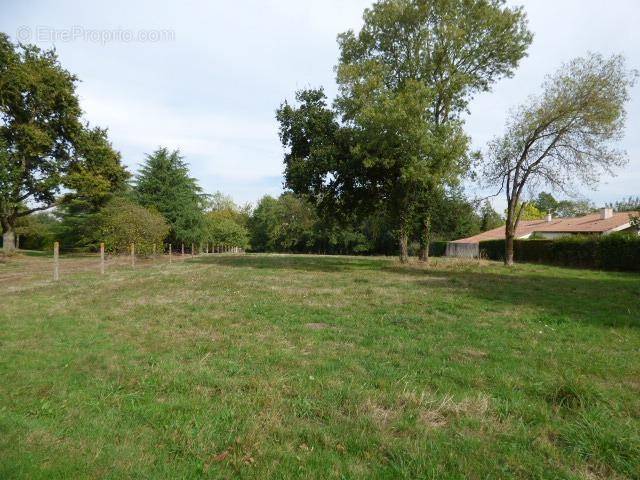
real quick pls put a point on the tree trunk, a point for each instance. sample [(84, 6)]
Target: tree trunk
[(404, 247), (403, 236), (508, 254), (425, 240), (8, 240)]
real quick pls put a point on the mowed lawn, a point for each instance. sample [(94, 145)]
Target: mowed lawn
[(262, 366)]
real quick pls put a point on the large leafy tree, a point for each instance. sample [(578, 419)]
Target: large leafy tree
[(319, 159), (564, 137), (404, 79), (164, 184), (90, 185), (44, 146)]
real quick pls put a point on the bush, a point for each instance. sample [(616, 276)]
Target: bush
[(122, 222), (618, 251), (437, 248)]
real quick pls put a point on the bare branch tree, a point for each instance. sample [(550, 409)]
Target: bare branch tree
[(563, 138)]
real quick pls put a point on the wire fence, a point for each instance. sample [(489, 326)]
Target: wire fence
[(56, 265)]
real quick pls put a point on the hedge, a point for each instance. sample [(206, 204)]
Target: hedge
[(437, 248), (618, 251)]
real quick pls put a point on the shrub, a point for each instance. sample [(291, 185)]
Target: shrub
[(122, 222), (437, 248)]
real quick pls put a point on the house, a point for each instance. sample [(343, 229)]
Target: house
[(604, 222)]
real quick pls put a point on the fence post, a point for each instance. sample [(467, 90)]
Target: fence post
[(154, 250), (192, 251), (183, 249), (169, 253), (133, 255), (102, 258), (56, 254)]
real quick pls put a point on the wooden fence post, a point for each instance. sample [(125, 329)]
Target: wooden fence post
[(183, 249), (56, 254), (192, 251), (102, 258), (154, 250), (133, 255), (169, 253)]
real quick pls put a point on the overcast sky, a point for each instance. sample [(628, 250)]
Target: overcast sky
[(209, 79)]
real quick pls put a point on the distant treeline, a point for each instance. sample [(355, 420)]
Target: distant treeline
[(164, 205)]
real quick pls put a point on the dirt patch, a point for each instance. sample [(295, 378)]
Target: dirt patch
[(470, 354), (437, 412), (316, 325), (381, 415)]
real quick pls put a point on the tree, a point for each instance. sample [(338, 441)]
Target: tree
[(262, 223), (122, 222), (286, 224), (564, 136), (294, 231), (489, 218), (530, 212), (164, 183), (222, 230), (406, 77), (39, 126), (404, 81), (628, 204), (225, 222), (90, 185), (37, 231), (545, 202)]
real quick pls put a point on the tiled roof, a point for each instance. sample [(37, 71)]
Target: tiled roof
[(592, 223)]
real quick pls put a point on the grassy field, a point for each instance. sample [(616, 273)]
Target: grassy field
[(319, 367)]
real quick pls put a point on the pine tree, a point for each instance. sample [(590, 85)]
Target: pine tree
[(164, 184)]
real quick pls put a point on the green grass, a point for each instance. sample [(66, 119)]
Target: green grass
[(321, 367)]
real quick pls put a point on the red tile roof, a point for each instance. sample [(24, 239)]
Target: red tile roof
[(592, 223)]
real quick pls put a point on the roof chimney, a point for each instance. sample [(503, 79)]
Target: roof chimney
[(549, 217), (606, 213)]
